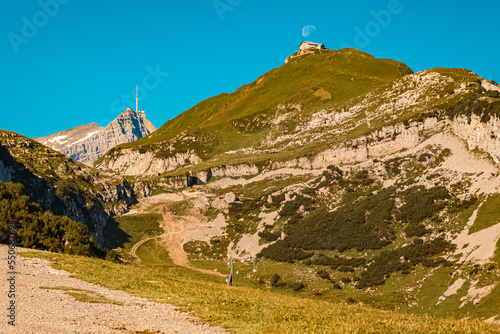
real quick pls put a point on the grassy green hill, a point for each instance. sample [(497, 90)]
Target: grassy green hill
[(324, 79), (306, 106)]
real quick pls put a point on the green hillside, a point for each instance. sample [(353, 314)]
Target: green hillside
[(313, 102), (55, 199), (324, 79)]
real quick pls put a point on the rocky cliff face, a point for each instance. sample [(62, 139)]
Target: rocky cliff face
[(62, 185), (87, 143), (477, 134), (132, 162)]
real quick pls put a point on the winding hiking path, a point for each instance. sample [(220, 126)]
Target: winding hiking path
[(136, 246), (172, 241)]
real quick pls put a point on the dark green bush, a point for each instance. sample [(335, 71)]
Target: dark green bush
[(40, 229), (492, 93), (350, 300), (346, 280), (278, 199), (421, 203), (307, 262), (268, 236), (418, 230), (323, 274), (390, 261), (424, 157), (346, 269), (291, 208), (298, 286), (363, 224), (244, 207), (475, 104), (392, 166), (112, 256), (275, 279), (281, 251)]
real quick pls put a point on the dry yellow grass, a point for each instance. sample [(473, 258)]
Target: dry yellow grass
[(249, 310)]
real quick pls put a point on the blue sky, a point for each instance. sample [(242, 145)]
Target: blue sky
[(65, 63)]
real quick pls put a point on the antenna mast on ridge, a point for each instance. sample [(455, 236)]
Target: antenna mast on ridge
[(137, 98)]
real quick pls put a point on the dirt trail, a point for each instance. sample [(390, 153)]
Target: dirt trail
[(47, 311), (136, 246), (172, 239)]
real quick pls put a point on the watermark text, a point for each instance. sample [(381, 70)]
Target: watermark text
[(11, 274), (31, 26)]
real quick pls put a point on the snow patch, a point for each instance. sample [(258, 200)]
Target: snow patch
[(87, 136), (57, 139)]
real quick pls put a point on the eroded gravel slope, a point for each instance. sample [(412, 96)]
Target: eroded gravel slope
[(54, 311)]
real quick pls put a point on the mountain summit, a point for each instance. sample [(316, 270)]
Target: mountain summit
[(87, 143)]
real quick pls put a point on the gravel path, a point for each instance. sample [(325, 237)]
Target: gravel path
[(136, 246), (172, 240), (54, 311)]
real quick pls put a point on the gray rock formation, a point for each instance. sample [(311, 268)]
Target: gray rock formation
[(87, 143), (133, 162)]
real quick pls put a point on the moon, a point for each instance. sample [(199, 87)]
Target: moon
[(308, 30)]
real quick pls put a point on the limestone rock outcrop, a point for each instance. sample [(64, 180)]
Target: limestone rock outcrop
[(477, 134), (87, 143), (133, 162)]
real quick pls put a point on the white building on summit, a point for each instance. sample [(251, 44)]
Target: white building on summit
[(312, 46), (306, 48)]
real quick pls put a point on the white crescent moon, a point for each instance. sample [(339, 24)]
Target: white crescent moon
[(308, 30)]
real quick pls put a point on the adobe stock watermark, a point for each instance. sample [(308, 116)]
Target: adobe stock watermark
[(30, 27), (381, 19), (11, 274), (151, 81), (223, 6)]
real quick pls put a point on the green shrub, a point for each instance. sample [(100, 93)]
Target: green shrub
[(424, 157), (421, 203), (275, 279), (418, 230), (345, 269), (363, 224), (307, 262), (390, 261), (475, 104), (492, 93), (346, 280), (323, 274), (278, 199), (281, 251), (392, 166), (112, 256), (40, 229), (268, 236), (291, 208)]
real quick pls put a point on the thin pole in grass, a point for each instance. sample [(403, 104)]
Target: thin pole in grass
[(230, 279)]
